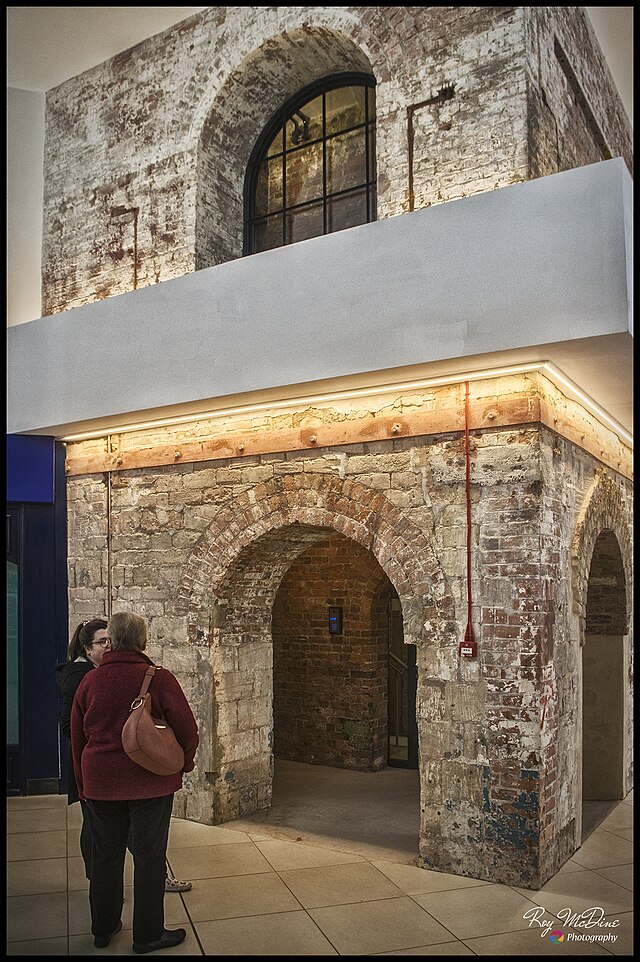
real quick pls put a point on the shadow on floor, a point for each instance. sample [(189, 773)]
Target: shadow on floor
[(595, 812), (373, 814)]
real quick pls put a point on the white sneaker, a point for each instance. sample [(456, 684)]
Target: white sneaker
[(172, 884)]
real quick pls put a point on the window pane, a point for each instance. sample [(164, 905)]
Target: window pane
[(304, 174), (275, 147), (372, 154), (269, 187), (346, 211), (305, 223), (268, 234), (305, 124), (345, 108), (371, 94), (345, 161), (373, 210)]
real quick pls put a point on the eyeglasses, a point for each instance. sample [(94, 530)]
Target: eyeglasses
[(103, 642)]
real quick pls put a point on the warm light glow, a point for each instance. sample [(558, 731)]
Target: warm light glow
[(544, 366), (557, 375)]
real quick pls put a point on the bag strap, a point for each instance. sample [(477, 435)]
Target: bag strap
[(146, 681)]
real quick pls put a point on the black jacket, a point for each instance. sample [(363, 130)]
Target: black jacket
[(69, 674)]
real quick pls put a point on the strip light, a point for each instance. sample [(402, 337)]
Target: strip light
[(556, 375), (545, 366)]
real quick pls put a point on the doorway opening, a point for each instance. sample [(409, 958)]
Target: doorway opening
[(603, 684), (402, 681)]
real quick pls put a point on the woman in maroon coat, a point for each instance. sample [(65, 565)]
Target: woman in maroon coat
[(123, 800)]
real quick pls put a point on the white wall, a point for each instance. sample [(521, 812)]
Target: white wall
[(25, 180)]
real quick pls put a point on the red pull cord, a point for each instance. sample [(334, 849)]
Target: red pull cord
[(468, 635)]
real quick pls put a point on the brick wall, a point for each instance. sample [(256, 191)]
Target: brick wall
[(145, 155), (206, 551), (330, 691), (144, 171)]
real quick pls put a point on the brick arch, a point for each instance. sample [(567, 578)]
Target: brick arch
[(227, 594), (604, 510), (288, 513), (297, 47)]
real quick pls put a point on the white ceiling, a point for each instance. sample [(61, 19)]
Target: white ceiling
[(48, 45)]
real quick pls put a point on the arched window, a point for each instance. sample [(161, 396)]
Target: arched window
[(313, 168)]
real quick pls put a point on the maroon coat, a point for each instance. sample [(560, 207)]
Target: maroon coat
[(100, 708)]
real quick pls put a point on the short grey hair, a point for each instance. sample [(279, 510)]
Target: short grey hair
[(128, 631)]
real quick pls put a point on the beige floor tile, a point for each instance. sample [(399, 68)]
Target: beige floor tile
[(184, 834), (567, 868), (620, 817), (73, 841), (620, 874), (175, 913), (78, 880), (74, 816), (419, 881), (339, 884), (18, 802), (580, 891), (39, 947), (36, 845), (624, 932), (36, 820), (379, 926), (622, 833), (227, 898), (602, 849), (628, 799), (287, 933), (36, 916), (484, 910), (214, 861), (37, 876), (283, 855), (442, 948), (529, 943)]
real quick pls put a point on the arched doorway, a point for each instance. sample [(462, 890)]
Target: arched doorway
[(228, 591), (603, 681)]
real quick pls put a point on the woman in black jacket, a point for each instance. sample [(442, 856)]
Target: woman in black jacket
[(89, 642)]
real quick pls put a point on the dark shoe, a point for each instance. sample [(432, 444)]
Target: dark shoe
[(168, 939), (102, 941)]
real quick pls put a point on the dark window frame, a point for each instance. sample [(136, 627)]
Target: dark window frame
[(277, 123)]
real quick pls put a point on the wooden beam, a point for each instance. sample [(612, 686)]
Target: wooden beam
[(486, 413)]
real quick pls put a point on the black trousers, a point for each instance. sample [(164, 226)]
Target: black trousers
[(144, 823), (86, 842)]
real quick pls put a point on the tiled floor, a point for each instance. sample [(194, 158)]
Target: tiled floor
[(256, 894)]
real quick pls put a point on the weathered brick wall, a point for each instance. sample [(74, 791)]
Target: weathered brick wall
[(581, 501), (574, 115), (144, 167), (201, 549), (330, 691), (145, 155)]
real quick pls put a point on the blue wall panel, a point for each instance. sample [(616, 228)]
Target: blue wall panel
[(30, 468)]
